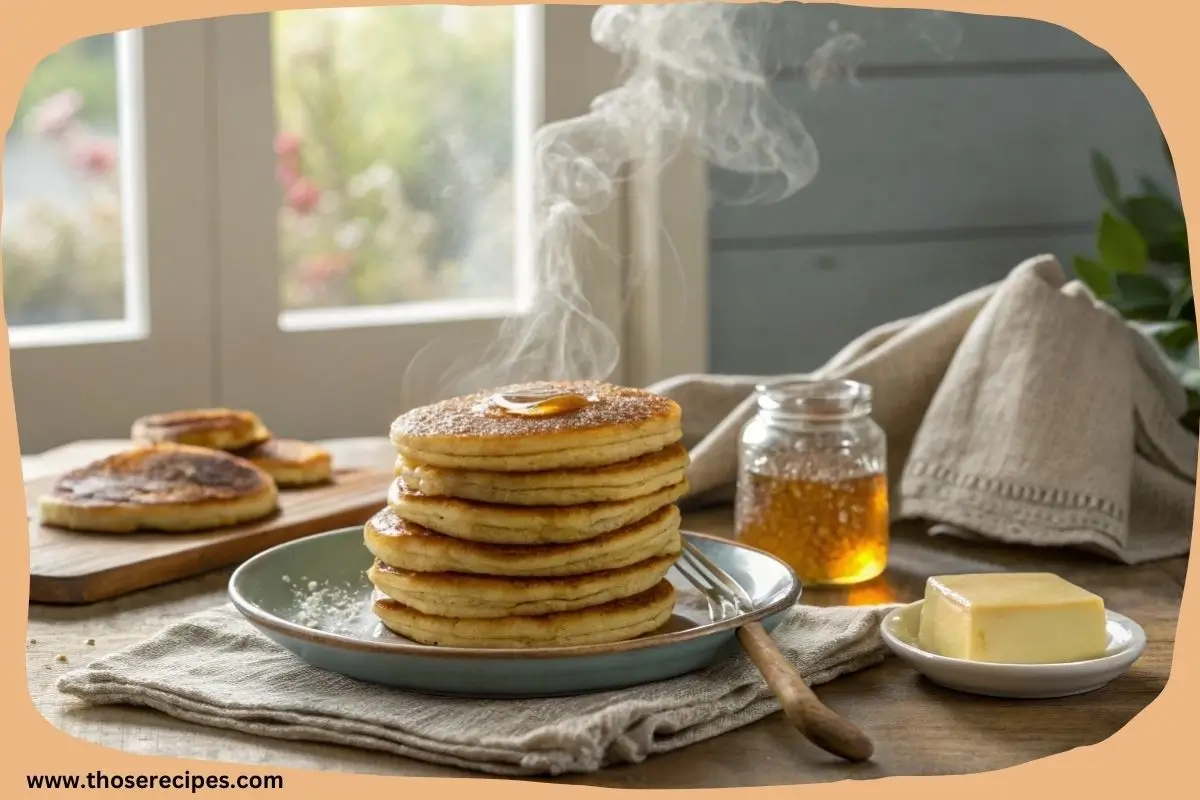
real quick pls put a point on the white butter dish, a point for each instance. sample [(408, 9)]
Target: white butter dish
[(1126, 641)]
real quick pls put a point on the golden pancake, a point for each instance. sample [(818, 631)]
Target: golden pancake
[(165, 487), (473, 433), (615, 621), (559, 487), (217, 428), (528, 525), (290, 463), (452, 594), (408, 546)]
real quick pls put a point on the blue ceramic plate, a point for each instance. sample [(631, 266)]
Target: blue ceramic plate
[(312, 597)]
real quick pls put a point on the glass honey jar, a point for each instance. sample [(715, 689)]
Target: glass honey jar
[(812, 481)]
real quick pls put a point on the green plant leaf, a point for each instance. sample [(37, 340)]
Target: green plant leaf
[(1143, 288), (1156, 218), (1181, 301), (1121, 246), (1106, 179), (1170, 254), (1141, 297), (1160, 222), (1152, 188), (1094, 276), (1177, 337), (1167, 152), (1187, 310)]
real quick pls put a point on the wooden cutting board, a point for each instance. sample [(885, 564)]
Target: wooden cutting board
[(68, 567)]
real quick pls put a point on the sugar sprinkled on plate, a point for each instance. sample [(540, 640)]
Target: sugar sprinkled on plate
[(332, 608)]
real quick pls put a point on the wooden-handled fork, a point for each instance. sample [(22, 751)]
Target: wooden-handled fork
[(812, 718)]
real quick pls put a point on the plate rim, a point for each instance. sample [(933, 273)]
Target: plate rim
[(1120, 659), (264, 619)]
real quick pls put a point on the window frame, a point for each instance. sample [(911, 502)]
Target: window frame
[(666, 325), (87, 389), (213, 335), (260, 364)]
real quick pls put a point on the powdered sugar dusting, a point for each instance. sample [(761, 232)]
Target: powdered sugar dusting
[(338, 608)]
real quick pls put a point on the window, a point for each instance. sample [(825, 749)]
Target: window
[(63, 212), (107, 257), (372, 157), (394, 147), (280, 211)]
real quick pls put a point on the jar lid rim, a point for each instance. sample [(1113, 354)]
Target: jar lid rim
[(809, 396)]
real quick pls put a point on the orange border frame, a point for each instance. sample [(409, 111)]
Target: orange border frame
[(1149, 38)]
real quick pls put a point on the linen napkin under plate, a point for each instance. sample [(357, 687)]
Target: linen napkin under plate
[(215, 669), (1025, 412)]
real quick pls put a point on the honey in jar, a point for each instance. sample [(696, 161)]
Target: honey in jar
[(812, 482)]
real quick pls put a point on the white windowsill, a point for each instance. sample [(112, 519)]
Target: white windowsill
[(70, 334), (324, 319)]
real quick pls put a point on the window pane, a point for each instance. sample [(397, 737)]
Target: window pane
[(394, 153), (61, 232)]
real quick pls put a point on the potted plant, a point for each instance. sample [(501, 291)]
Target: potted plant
[(1142, 269)]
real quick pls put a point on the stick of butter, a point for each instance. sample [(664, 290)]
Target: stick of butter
[(1011, 618)]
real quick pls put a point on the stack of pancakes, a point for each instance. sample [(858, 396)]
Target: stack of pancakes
[(552, 524)]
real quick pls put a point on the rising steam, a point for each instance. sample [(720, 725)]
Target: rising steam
[(693, 77)]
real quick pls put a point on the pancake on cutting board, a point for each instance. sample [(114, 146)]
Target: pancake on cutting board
[(474, 432), (289, 462), (217, 428), (162, 487)]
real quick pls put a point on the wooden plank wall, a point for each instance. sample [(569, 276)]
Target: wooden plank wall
[(962, 149)]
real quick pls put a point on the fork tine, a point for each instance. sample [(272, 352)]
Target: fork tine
[(712, 583), (689, 554), (732, 586), (715, 609)]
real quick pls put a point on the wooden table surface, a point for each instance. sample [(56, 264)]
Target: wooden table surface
[(918, 728)]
